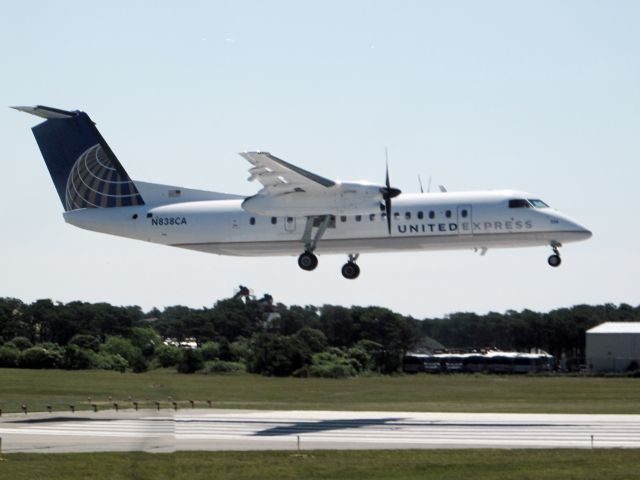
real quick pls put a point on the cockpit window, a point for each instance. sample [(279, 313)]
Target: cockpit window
[(519, 203), (538, 203)]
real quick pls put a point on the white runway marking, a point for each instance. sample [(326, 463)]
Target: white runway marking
[(260, 430)]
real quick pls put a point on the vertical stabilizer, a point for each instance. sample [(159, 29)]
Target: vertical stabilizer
[(85, 171)]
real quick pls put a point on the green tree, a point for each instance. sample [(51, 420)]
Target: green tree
[(86, 342), (76, 358), (191, 361), (168, 356), (278, 355), (124, 347), (315, 340)]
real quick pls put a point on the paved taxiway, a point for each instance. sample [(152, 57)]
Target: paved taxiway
[(213, 429)]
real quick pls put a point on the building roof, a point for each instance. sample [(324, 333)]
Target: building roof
[(616, 327)]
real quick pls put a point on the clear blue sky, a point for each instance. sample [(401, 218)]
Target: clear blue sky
[(542, 96)]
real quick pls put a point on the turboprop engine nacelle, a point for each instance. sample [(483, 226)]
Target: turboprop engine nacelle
[(340, 199)]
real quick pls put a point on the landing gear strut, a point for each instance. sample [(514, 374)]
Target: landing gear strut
[(555, 260), (307, 259), (351, 270)]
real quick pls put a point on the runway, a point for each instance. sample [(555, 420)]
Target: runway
[(212, 429)]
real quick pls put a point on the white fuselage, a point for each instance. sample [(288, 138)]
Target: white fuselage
[(428, 221)]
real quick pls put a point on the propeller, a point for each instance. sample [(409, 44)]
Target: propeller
[(388, 192)]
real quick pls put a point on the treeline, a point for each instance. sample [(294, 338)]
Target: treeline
[(247, 334)]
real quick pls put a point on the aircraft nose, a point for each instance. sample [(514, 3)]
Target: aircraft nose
[(574, 229), (579, 230), (584, 232)]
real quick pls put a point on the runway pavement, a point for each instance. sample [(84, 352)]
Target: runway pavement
[(212, 429)]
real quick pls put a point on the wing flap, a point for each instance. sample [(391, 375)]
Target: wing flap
[(278, 176)]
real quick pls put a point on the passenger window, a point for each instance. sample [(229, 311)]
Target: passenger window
[(289, 219), (420, 215), (372, 216), (396, 215), (274, 220), (252, 221), (358, 218), (464, 213), (432, 214), (407, 215), (343, 218), (448, 214)]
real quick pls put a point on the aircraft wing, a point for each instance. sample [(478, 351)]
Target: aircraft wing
[(279, 177)]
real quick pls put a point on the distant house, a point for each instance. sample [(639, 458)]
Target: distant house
[(613, 347)]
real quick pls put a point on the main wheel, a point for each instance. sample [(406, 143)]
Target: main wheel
[(307, 261), (350, 270), (554, 260)]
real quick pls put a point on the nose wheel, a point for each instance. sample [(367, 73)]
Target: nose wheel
[(351, 270), (307, 261), (555, 260)]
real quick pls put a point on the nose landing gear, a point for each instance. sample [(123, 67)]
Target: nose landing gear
[(555, 260)]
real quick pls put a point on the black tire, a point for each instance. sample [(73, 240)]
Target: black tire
[(307, 261), (554, 260), (350, 270)]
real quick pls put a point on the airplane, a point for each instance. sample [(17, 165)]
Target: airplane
[(296, 212)]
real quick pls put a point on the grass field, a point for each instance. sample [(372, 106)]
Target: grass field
[(370, 465), (447, 393)]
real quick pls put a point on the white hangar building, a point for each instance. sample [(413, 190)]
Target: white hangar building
[(613, 347)]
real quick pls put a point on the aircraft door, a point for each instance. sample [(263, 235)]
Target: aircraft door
[(465, 220), (290, 224)]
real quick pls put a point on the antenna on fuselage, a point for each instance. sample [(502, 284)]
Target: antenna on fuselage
[(428, 185)]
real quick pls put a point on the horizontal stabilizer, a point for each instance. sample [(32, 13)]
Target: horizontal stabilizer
[(45, 112)]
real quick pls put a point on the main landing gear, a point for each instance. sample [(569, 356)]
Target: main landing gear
[(309, 261), (351, 270), (555, 260)]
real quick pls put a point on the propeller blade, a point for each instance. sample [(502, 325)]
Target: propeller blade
[(387, 206), (388, 192)]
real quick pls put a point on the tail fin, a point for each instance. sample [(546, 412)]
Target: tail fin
[(84, 169)]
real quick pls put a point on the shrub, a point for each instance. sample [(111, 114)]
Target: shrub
[(220, 366), (331, 370), (240, 350), (109, 361), (38, 357), (21, 343), (9, 356), (210, 351), (332, 364)]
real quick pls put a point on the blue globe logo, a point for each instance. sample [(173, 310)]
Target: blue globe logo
[(95, 181)]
